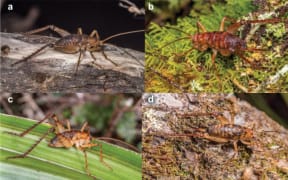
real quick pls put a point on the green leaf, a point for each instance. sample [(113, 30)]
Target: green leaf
[(45, 162)]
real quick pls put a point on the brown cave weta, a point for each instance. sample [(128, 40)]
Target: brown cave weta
[(222, 133), (74, 43), (67, 138)]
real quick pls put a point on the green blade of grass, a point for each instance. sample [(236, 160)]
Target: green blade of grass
[(59, 163)]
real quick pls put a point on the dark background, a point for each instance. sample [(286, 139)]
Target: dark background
[(103, 15)]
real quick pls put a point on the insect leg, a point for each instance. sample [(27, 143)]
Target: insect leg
[(79, 31), (33, 54), (131, 55), (222, 119), (101, 155), (95, 33), (86, 165), (94, 63), (101, 158), (68, 125), (244, 58), (199, 25), (213, 58), (235, 149), (233, 28), (32, 127), (222, 25), (56, 29), (32, 147), (59, 126), (83, 127), (103, 53), (78, 62)]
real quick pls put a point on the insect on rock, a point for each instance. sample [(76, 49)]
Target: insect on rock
[(221, 133), (74, 43), (65, 137)]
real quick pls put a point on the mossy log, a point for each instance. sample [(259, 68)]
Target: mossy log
[(54, 71), (167, 157)]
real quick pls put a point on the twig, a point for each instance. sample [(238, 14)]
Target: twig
[(131, 7), (240, 86)]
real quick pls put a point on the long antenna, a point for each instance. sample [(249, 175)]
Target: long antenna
[(117, 140), (120, 34), (173, 42), (177, 30)]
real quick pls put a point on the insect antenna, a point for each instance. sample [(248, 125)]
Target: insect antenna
[(174, 84), (273, 20), (170, 27), (119, 141), (256, 50), (172, 42), (179, 39), (121, 34), (177, 135), (183, 135)]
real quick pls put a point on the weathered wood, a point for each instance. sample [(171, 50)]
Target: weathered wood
[(53, 71)]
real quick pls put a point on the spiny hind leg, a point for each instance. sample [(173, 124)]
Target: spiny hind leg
[(234, 27), (32, 127), (56, 29), (33, 54), (32, 147)]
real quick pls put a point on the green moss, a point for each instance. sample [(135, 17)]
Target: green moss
[(194, 71)]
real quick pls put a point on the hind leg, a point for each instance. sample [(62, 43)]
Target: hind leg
[(56, 29)]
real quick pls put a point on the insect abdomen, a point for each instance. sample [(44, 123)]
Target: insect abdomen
[(226, 131), (216, 40), (71, 43)]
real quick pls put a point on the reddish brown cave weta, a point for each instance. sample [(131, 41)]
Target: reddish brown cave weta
[(67, 138), (74, 43), (223, 41)]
